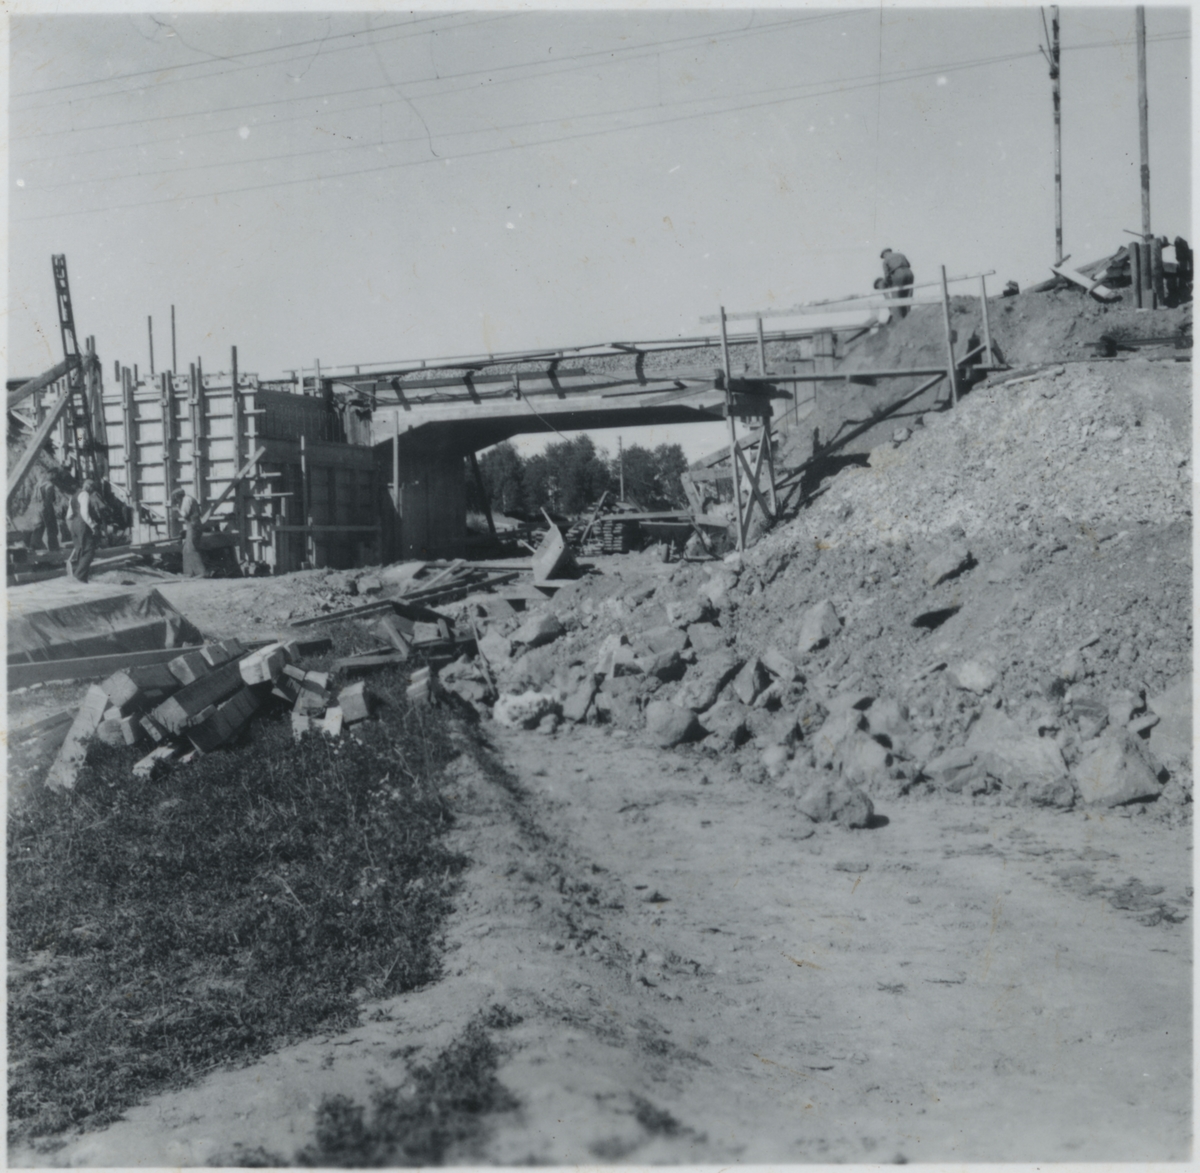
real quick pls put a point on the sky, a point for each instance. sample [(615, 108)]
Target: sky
[(363, 187)]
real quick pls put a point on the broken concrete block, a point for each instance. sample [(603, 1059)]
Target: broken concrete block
[(826, 798), (331, 724), (541, 628), (770, 729), (495, 648), (311, 701), (685, 612), (109, 731), (131, 731), (71, 756), (779, 665), (726, 719), (951, 770), (523, 710), (226, 721), (370, 584), (658, 640), (863, 760), (152, 728), (1114, 772), (706, 637), (122, 690), (1018, 759), (189, 667), (179, 711), (665, 665), (838, 727), (1171, 738), (972, 676), (750, 681), (888, 718), (222, 651), (948, 563), (716, 589), (302, 723), (263, 666), (667, 724), (354, 703), (775, 760), (705, 679), (576, 705), (294, 672), (155, 760), (818, 625)]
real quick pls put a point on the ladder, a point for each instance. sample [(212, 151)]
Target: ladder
[(84, 441)]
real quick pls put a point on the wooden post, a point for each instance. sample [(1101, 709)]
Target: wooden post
[(306, 506), (397, 519), (239, 493), (766, 439), (130, 435), (150, 331), (1157, 282), (949, 339), (1135, 271), (733, 445), (1147, 276), (168, 431), (762, 350), (1056, 91), (987, 321), (1143, 121), (174, 360), (194, 413)]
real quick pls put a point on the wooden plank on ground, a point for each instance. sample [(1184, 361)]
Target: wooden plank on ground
[(65, 768), (1098, 291)]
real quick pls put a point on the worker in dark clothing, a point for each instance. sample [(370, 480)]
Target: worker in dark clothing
[(897, 275), (1183, 270), (188, 510), (85, 530)]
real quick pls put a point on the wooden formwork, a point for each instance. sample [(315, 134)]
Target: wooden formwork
[(270, 467)]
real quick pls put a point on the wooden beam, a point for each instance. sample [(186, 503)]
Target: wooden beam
[(238, 477), (44, 380), (36, 443), (1098, 291)]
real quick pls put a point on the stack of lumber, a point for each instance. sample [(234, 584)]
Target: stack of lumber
[(193, 704)]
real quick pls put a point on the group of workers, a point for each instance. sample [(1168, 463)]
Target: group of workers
[(87, 511)]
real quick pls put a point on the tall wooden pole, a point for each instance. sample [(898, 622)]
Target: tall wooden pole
[(1057, 94), (987, 321), (150, 331), (1143, 121), (174, 360), (762, 350)]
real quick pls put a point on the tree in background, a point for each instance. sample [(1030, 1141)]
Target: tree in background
[(652, 477), (503, 473), (570, 476)]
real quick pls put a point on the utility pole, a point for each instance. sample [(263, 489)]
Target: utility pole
[(1143, 121), (150, 331), (1057, 93), (174, 360), (621, 465), (1052, 59)]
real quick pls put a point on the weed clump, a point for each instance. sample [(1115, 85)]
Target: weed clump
[(442, 1109), (158, 929)]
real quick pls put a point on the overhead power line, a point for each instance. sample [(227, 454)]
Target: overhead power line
[(843, 87), (157, 72), (489, 70)]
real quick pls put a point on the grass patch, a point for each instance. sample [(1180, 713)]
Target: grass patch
[(160, 929), (441, 1110)]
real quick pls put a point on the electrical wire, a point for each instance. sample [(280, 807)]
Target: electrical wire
[(492, 69), (237, 56), (839, 89)]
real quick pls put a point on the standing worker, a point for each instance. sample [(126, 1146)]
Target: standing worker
[(188, 509), (897, 275), (85, 527)]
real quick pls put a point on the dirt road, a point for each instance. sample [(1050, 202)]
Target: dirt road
[(702, 976)]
